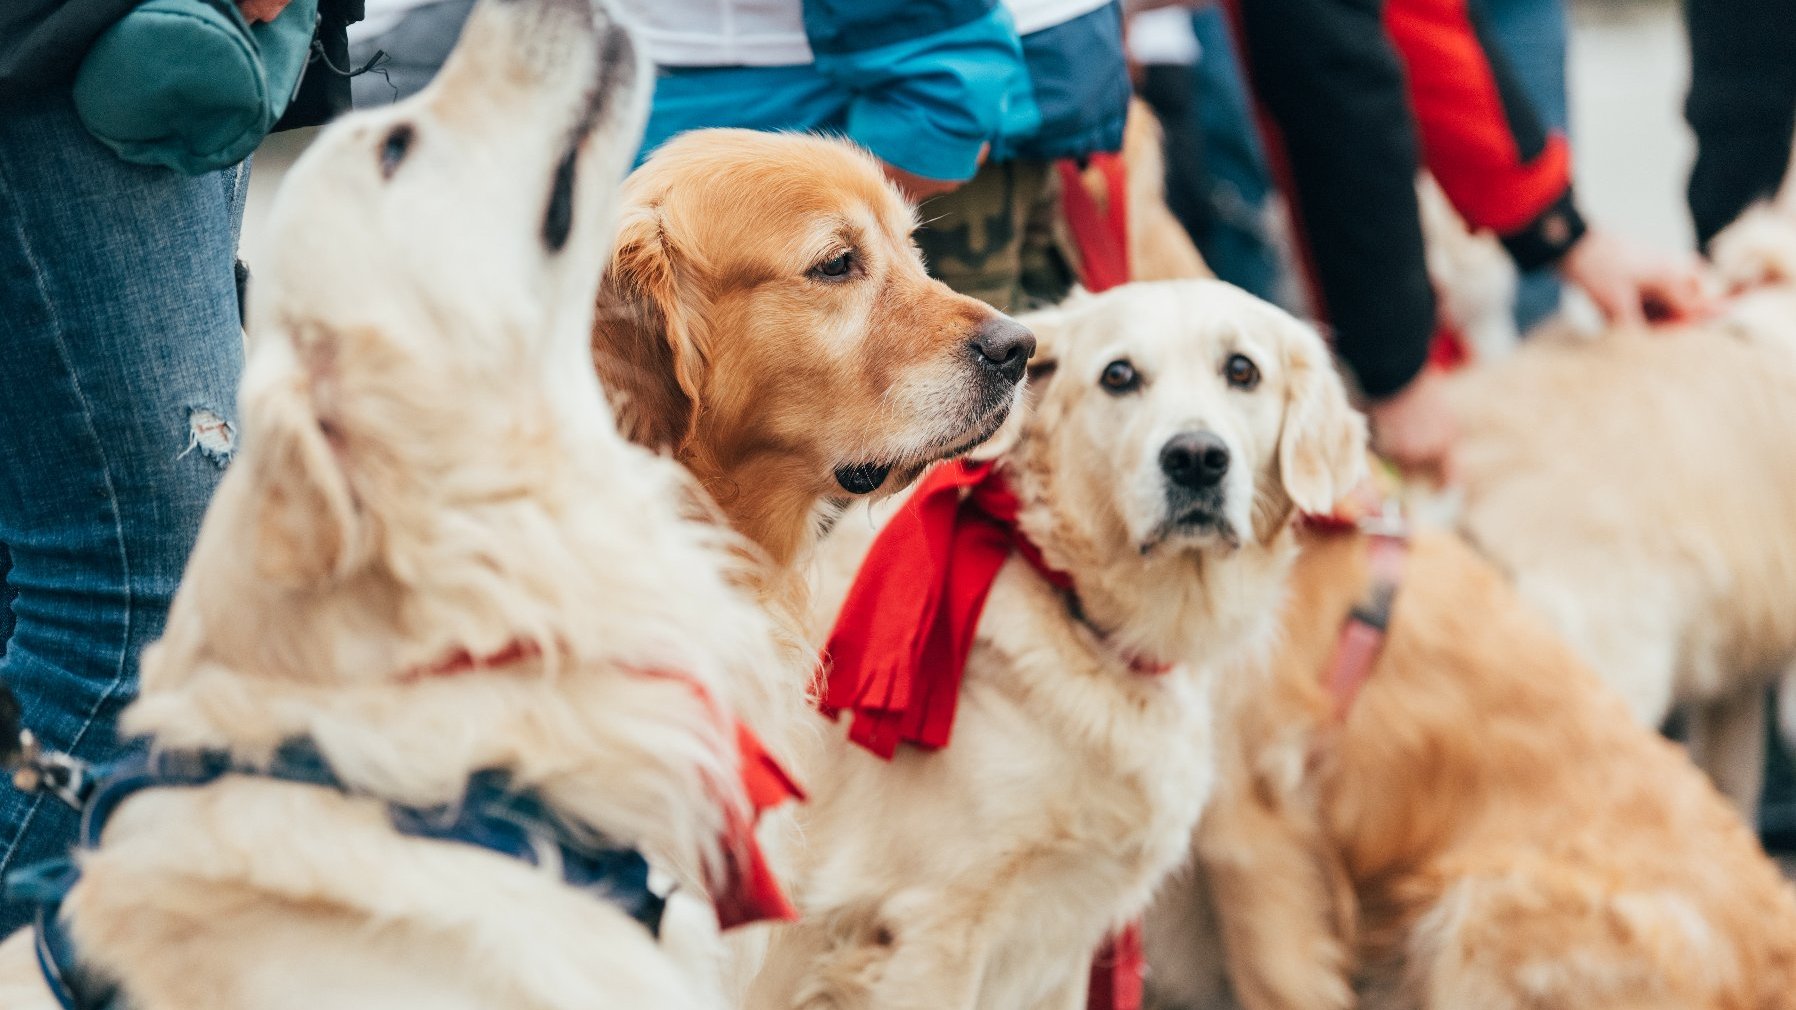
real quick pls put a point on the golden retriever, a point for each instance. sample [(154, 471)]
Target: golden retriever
[(1178, 426), (767, 318), (434, 557), (1483, 826), (1640, 487)]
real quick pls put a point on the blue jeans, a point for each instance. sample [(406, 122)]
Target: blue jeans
[(1531, 37), (120, 353), (1238, 246)]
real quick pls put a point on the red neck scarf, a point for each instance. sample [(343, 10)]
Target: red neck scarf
[(749, 892), (900, 643), (746, 890)]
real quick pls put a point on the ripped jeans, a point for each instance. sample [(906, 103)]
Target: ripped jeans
[(120, 354)]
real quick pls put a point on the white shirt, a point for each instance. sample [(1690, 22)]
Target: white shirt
[(764, 33)]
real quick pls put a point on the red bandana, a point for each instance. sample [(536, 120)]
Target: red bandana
[(900, 644), (748, 891), (901, 641)]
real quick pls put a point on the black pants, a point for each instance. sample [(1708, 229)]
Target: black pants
[(1742, 105)]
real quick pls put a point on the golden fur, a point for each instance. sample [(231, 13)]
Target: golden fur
[(723, 346), (1639, 488), (428, 468), (987, 873), (1487, 828)]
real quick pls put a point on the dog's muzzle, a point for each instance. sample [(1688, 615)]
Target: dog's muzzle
[(1002, 346), (1195, 466)]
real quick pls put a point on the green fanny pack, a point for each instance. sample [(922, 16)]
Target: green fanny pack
[(191, 85)]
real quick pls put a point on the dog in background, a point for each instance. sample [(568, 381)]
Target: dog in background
[(1479, 823), (1177, 429), (1639, 487), (434, 559)]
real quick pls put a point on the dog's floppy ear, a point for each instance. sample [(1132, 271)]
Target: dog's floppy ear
[(1322, 446), (306, 528), (644, 344)]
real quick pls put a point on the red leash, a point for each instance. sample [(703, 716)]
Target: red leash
[(1101, 234), (1363, 633)]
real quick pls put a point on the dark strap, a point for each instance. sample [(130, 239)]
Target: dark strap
[(46, 884), (491, 814)]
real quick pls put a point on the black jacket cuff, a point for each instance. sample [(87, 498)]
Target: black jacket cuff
[(1549, 236)]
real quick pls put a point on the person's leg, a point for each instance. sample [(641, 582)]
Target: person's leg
[(1170, 90), (1238, 245), (120, 353), (1531, 37), (972, 238), (1742, 105)]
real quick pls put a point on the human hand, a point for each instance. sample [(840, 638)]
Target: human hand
[(261, 10), (917, 188), (1416, 429), (1634, 285)]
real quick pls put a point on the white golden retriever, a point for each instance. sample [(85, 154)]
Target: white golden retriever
[(434, 557), (1178, 429), (1640, 488)]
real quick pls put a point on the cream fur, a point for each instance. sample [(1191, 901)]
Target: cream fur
[(428, 466), (986, 874), (1639, 489)]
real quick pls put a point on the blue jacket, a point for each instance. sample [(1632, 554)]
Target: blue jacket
[(924, 84)]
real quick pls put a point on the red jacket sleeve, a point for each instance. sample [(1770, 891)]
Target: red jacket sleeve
[(1481, 137)]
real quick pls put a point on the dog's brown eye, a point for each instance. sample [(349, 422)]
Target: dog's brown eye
[(834, 268), (1120, 377), (1241, 372)]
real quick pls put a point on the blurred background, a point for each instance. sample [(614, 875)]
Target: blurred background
[(1629, 66)]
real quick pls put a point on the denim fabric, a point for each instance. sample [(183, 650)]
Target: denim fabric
[(1238, 246), (119, 358), (1531, 35)]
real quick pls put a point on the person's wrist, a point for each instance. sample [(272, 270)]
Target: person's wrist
[(1550, 237)]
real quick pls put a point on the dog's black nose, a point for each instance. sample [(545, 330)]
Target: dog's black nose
[(1195, 459), (1004, 345)]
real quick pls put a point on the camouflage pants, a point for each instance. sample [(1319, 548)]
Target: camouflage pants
[(995, 238)]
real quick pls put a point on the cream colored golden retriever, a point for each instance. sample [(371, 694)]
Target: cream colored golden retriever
[(1178, 428), (1640, 489), (434, 557), (1481, 825), (767, 318)]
